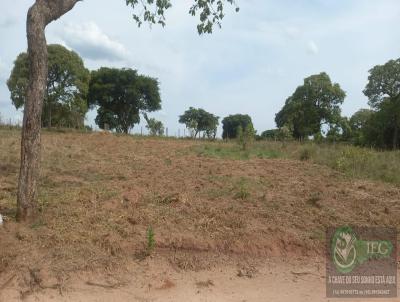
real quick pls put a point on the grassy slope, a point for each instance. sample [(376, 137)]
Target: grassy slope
[(100, 193), (353, 161)]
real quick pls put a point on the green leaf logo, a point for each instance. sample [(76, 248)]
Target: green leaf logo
[(349, 252)]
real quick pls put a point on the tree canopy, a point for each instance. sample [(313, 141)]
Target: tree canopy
[(154, 126), (276, 134), (313, 104), (65, 101), (231, 124), (383, 92), (121, 94), (199, 120), (358, 123)]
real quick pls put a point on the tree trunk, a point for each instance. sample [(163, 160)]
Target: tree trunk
[(49, 115), (41, 13), (395, 135)]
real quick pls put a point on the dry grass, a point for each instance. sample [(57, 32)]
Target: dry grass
[(100, 194), (352, 161)]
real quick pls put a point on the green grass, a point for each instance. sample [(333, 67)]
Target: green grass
[(356, 162), (242, 190), (233, 151), (151, 243)]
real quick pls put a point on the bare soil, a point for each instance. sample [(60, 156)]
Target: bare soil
[(101, 193)]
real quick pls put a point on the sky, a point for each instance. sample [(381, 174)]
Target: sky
[(250, 66)]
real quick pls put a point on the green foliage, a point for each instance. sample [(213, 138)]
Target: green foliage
[(379, 130), (198, 120), (234, 151), (339, 131), (352, 160), (359, 122), (356, 162), (281, 134), (151, 242), (245, 137), (305, 154), (211, 12), (155, 127), (231, 124), (121, 94), (313, 104), (65, 102), (242, 190), (383, 83), (383, 92)]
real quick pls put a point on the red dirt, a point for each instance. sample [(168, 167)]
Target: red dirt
[(100, 193)]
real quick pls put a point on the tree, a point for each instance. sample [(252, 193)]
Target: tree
[(198, 120), (231, 123), (379, 129), (121, 94), (40, 14), (67, 85), (280, 134), (358, 124), (245, 136), (338, 131), (211, 123), (383, 92), (313, 104), (155, 127)]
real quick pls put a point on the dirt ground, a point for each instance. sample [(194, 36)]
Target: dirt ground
[(101, 194), (155, 280)]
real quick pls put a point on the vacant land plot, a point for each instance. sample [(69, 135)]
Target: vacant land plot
[(108, 201)]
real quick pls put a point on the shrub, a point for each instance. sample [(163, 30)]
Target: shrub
[(242, 192), (151, 243), (245, 136), (305, 154)]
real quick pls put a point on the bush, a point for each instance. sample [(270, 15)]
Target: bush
[(243, 191), (245, 136), (305, 154), (151, 243)]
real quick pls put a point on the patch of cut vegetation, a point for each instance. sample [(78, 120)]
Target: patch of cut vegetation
[(97, 200)]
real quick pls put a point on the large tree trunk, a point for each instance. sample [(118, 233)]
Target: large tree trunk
[(39, 15)]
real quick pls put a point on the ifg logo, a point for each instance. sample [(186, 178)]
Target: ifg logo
[(348, 251), (361, 262)]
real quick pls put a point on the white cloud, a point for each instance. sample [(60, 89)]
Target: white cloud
[(312, 48), (92, 43)]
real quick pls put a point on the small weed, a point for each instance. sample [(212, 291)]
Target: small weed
[(314, 199), (151, 243), (243, 191), (37, 224), (318, 235)]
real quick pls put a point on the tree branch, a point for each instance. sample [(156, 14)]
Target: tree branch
[(54, 9)]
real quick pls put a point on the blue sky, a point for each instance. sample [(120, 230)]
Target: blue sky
[(250, 66)]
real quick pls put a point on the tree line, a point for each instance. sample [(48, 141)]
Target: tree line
[(122, 96), (119, 95), (313, 111)]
